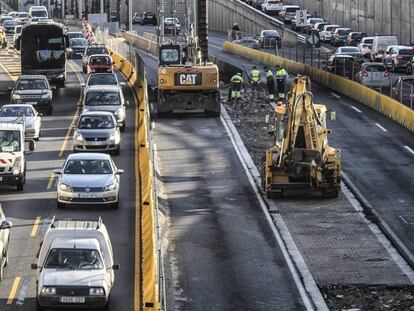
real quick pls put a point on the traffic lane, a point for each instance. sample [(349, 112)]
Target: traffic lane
[(26, 209), (376, 158), (222, 250), (44, 206)]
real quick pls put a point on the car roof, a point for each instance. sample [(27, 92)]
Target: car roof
[(96, 113), (332, 25), (32, 77), (103, 88), (17, 105), (290, 6), (80, 243), (99, 55), (343, 28), (89, 156)]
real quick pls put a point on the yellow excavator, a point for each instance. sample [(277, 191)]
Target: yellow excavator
[(301, 157), (187, 81)]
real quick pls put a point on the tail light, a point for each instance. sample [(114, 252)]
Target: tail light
[(387, 74), (364, 74), (399, 57)]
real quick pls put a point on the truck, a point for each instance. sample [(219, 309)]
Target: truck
[(42, 46), (13, 153), (5, 227), (187, 81), (75, 266), (300, 158)]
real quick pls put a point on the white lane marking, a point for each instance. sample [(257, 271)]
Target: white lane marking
[(409, 150), (395, 255), (381, 127), (356, 109), (22, 293), (302, 276), (336, 96)]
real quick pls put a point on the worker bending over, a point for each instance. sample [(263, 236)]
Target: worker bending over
[(255, 78), (270, 81)]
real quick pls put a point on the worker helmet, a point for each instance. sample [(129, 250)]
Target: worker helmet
[(239, 74), (254, 67)]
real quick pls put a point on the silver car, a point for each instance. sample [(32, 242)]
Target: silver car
[(32, 119), (97, 131), (106, 98), (374, 75), (88, 179)]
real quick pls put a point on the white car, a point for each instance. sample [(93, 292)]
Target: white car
[(75, 266), (88, 179), (4, 242), (272, 6), (32, 119), (365, 46), (288, 12), (326, 34)]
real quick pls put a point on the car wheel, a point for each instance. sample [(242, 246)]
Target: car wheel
[(84, 69), (38, 307), (393, 67), (117, 151), (6, 259), (1, 272), (115, 205), (60, 205), (123, 126), (19, 186)]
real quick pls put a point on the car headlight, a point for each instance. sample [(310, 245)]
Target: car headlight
[(16, 96), (115, 136), (110, 187), (65, 187), (96, 291), (60, 76), (119, 112), (78, 137), (45, 96), (48, 291), (17, 166)]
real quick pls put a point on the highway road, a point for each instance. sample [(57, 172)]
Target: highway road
[(31, 210), (378, 154)]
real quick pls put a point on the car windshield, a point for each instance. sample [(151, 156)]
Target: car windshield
[(375, 68), (96, 50), (407, 52), (74, 259), (291, 10), (102, 98), (8, 23), (313, 21), (88, 167), (31, 84), (9, 141), (100, 60), (96, 122), (16, 111), (368, 41), (78, 41), (107, 79), (270, 33), (23, 14), (349, 50), (149, 14), (72, 35), (343, 32), (39, 13)]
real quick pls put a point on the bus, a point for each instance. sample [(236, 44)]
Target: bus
[(42, 48)]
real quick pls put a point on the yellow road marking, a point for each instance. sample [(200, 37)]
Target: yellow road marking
[(50, 184), (35, 226), (13, 290), (14, 78), (75, 116)]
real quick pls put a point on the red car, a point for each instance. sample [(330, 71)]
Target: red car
[(100, 63)]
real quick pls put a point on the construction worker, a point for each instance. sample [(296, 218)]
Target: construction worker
[(255, 77), (236, 85), (281, 75), (270, 81)]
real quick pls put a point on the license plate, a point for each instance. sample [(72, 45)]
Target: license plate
[(65, 299), (31, 103), (95, 143), (87, 195)]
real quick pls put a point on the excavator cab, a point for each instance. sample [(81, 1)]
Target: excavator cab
[(170, 54)]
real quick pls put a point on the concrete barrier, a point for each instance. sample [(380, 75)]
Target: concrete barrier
[(145, 254), (369, 97), (140, 42)]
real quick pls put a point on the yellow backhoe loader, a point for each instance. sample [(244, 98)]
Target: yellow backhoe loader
[(301, 157)]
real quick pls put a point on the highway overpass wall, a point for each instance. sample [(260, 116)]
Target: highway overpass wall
[(371, 16)]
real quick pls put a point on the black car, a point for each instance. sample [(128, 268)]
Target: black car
[(144, 18), (270, 39), (354, 38), (9, 26), (343, 65), (77, 47), (340, 36)]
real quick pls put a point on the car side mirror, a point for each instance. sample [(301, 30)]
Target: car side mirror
[(57, 171), (34, 266), (127, 102), (119, 172), (32, 145), (40, 114), (53, 87), (5, 225), (115, 267), (119, 125), (122, 83)]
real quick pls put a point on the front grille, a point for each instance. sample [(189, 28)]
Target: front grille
[(72, 291), (91, 189), (2, 169), (31, 96), (95, 138), (93, 200), (95, 147)]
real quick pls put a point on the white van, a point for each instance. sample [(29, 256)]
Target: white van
[(379, 45), (37, 12)]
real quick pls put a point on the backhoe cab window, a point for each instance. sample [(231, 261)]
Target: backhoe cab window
[(169, 56)]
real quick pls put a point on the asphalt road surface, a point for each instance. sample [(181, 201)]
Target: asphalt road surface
[(378, 154), (31, 210)]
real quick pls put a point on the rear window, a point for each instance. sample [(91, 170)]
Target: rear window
[(368, 41), (100, 60), (290, 10), (344, 32), (375, 68), (349, 50), (96, 50), (409, 81), (270, 34), (274, 2), (330, 28), (408, 52)]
